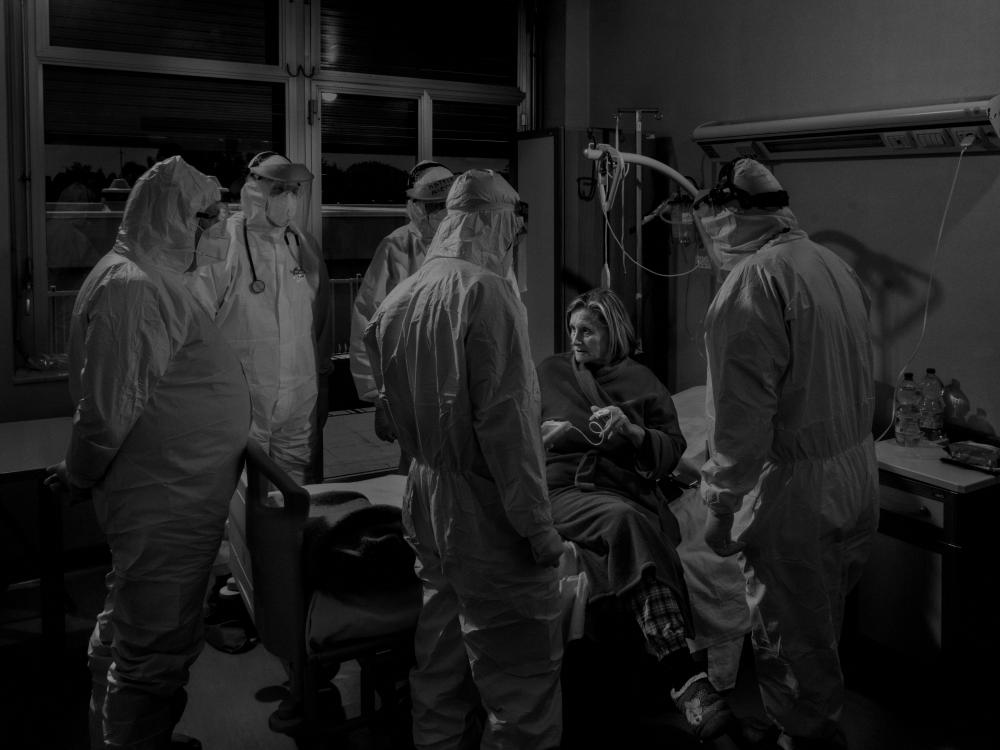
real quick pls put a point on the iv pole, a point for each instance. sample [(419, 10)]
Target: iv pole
[(602, 150), (638, 217)]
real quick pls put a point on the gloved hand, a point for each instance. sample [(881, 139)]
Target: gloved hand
[(59, 481), (719, 534), (547, 548), (384, 428)]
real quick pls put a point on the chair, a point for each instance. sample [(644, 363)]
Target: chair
[(313, 632)]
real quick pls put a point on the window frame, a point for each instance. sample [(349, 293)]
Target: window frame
[(23, 212), (426, 91), (37, 52)]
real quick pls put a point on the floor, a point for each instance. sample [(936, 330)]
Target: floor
[(231, 696), (890, 704)]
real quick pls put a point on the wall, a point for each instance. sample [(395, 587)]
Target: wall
[(730, 60)]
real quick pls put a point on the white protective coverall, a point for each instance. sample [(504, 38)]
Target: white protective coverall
[(282, 334), (161, 420), (449, 348), (397, 257), (790, 401)]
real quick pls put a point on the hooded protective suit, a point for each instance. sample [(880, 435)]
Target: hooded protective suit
[(790, 404), (161, 420), (282, 332), (449, 349), (397, 257)]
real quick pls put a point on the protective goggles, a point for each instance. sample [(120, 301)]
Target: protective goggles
[(725, 192)]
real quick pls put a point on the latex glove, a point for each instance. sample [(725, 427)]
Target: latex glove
[(547, 548), (552, 429), (384, 428), (58, 481), (719, 534)]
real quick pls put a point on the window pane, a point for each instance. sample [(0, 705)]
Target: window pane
[(447, 40), (102, 125), (369, 143), (105, 119), (233, 30), (468, 136)]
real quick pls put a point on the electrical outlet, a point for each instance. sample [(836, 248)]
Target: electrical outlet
[(702, 261), (899, 139), (960, 135)]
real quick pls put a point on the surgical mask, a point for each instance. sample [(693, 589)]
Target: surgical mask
[(730, 234), (716, 227), (426, 223), (280, 209)]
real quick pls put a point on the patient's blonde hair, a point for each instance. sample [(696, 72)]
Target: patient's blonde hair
[(608, 308)]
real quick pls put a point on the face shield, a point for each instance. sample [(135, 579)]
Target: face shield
[(426, 193), (482, 223), (426, 216), (734, 222), (276, 192)]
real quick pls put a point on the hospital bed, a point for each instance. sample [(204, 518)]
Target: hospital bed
[(273, 523), (715, 584)]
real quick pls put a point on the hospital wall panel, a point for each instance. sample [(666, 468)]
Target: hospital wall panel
[(728, 60)]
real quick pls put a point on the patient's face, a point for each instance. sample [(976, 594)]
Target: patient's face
[(588, 337)]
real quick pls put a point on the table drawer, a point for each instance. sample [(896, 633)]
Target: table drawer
[(912, 506)]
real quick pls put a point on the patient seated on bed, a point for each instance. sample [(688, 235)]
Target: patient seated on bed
[(612, 439)]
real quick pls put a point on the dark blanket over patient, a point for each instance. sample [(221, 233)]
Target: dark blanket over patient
[(607, 498), (350, 546)]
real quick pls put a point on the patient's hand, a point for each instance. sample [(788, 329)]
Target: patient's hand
[(552, 429), (613, 421)]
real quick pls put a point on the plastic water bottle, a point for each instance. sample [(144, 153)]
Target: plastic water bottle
[(931, 405), (907, 412)]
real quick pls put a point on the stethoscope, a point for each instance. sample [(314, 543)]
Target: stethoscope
[(257, 285)]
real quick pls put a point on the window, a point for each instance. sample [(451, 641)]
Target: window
[(121, 85), (468, 135), (233, 30), (447, 41), (102, 89), (434, 83), (369, 143)]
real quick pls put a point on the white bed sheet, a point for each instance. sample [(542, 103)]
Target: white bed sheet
[(715, 584)]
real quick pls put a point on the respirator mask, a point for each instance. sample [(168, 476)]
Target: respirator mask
[(281, 209), (727, 223)]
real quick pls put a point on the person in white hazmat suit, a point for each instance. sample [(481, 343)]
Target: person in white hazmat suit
[(397, 257), (271, 298), (790, 403), (159, 429), (450, 357)]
